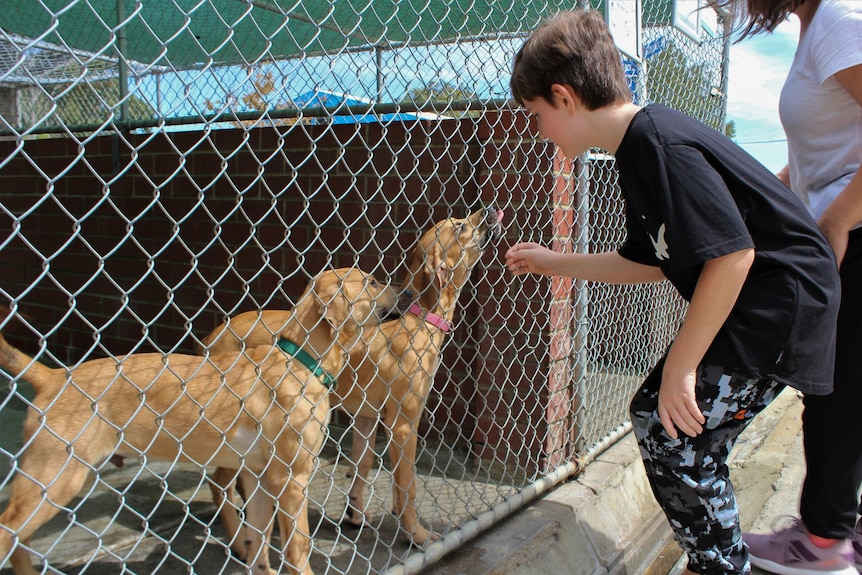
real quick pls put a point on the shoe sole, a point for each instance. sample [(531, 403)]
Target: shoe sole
[(779, 569)]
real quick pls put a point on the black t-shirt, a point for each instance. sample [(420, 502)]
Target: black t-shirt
[(692, 195)]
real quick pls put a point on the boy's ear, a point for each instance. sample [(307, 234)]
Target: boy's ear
[(564, 96)]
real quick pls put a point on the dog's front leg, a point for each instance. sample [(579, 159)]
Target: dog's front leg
[(260, 506), (293, 521), (363, 456), (223, 488), (402, 452)]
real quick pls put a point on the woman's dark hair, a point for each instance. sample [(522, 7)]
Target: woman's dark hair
[(754, 16)]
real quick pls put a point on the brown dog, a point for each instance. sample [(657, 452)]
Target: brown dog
[(264, 412), (393, 376)]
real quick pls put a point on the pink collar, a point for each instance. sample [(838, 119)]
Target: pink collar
[(429, 317)]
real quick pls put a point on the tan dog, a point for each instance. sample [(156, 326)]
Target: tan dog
[(264, 412), (393, 377)]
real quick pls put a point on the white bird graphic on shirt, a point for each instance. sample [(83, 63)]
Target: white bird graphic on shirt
[(660, 245)]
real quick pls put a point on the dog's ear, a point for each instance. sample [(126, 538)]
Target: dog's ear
[(328, 314), (332, 305), (436, 267), (443, 273)]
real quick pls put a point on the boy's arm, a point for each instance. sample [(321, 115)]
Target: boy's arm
[(715, 294), (608, 267)]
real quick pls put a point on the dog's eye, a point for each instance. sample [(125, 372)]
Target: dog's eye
[(374, 284)]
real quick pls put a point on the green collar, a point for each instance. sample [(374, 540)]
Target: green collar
[(305, 359)]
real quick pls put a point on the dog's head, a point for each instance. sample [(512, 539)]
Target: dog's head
[(350, 299), (447, 253)]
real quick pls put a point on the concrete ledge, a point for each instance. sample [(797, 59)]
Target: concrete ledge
[(582, 527), (605, 521)]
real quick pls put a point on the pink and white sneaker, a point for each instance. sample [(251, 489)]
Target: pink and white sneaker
[(790, 552)]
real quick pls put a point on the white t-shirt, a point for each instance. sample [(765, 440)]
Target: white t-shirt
[(822, 121)]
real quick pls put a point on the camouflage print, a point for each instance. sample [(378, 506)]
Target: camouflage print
[(689, 475)]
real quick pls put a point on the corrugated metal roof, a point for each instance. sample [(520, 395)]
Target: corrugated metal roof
[(25, 61)]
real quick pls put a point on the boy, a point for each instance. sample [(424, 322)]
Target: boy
[(739, 246)]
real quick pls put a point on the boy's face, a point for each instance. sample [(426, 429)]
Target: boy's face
[(562, 122)]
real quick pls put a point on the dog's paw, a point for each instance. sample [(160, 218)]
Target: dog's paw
[(352, 518), (421, 537), (239, 553)]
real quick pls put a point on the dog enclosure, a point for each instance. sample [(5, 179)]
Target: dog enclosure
[(167, 165)]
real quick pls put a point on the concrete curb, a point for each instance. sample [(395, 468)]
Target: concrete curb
[(605, 521)]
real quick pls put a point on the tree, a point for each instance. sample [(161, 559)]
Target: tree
[(439, 94), (259, 98), (679, 82), (438, 91), (730, 130)]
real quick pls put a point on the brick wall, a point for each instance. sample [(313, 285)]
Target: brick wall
[(135, 242)]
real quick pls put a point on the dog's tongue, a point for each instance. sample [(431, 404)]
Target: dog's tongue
[(499, 216)]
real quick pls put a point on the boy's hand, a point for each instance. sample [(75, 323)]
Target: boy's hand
[(529, 257), (718, 286), (677, 405)]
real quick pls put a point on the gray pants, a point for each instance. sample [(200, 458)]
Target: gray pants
[(689, 475)]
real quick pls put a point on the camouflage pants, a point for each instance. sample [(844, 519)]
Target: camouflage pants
[(689, 475)]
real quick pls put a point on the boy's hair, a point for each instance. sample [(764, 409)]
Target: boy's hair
[(574, 49)]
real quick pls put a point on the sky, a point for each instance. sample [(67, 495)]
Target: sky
[(758, 66)]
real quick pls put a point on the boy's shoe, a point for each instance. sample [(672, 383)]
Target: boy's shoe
[(790, 552)]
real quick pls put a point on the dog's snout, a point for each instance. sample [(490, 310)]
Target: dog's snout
[(405, 300), (400, 304), (493, 217), (493, 223)]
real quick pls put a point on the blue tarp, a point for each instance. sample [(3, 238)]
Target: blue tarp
[(342, 102)]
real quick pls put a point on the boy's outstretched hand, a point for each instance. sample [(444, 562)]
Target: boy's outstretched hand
[(529, 257)]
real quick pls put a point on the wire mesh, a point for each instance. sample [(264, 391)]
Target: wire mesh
[(171, 165)]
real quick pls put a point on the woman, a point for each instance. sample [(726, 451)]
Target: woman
[(821, 111)]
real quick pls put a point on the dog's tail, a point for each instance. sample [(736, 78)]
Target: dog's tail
[(17, 363)]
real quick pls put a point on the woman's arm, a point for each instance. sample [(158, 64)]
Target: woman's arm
[(845, 212), (784, 175)]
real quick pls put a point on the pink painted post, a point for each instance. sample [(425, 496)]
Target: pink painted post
[(559, 416)]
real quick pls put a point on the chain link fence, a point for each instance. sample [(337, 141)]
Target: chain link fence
[(170, 165)]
